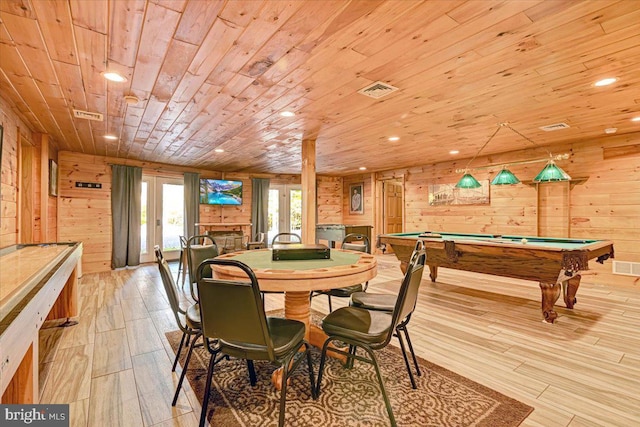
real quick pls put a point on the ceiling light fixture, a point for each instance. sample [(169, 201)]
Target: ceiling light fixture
[(636, 119), (605, 82), (110, 137), (114, 77), (551, 172), (610, 131), (219, 150), (362, 168), (394, 138), (287, 114), (452, 152)]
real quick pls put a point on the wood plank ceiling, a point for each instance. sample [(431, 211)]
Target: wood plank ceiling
[(216, 75)]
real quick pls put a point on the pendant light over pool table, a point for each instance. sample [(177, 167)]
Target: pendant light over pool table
[(551, 172)]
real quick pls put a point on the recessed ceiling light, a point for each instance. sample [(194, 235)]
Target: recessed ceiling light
[(610, 130), (114, 77), (605, 82), (219, 150), (287, 114), (454, 152), (110, 137), (362, 168), (394, 138), (636, 119)]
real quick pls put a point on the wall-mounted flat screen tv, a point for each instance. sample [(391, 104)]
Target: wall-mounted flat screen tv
[(220, 192)]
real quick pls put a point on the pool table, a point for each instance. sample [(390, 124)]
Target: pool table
[(554, 263)]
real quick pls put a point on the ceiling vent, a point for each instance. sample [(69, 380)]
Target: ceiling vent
[(377, 90), (87, 115), (556, 126)]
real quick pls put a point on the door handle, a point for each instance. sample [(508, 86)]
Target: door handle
[(158, 223)]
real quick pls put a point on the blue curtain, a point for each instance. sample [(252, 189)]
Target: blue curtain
[(191, 202), (126, 208), (259, 205)]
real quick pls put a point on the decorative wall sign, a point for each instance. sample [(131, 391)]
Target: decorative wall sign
[(356, 198), (88, 184), (448, 194)]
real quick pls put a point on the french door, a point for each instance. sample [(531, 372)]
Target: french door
[(285, 210), (162, 220)]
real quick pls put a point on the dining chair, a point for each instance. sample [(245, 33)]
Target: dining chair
[(352, 242), (188, 320), (386, 303), (182, 260), (286, 238), (199, 248), (233, 313), (373, 329), (259, 242)]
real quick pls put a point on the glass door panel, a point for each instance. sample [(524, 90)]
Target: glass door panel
[(285, 210), (274, 214), (162, 217), (172, 217), (295, 211)]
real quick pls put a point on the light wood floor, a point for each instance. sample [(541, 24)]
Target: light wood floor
[(114, 367)]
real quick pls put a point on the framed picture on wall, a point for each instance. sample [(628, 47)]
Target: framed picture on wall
[(356, 198), (53, 178)]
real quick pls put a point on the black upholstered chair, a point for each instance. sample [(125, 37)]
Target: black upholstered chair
[(233, 313), (387, 302), (286, 238), (187, 320), (373, 329), (352, 242), (199, 248)]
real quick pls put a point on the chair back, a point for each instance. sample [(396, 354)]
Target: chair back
[(284, 238), (170, 287), (232, 311), (183, 243), (199, 248), (356, 242), (408, 295)]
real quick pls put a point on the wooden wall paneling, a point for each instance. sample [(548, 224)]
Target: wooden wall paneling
[(9, 181), (554, 203), (329, 194), (44, 188), (26, 191)]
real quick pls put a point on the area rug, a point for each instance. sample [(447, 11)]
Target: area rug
[(349, 397)]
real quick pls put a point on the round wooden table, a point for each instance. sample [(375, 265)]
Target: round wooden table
[(298, 278)]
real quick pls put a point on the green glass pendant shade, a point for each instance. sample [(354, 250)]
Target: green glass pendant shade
[(551, 172), (467, 181), (505, 177)]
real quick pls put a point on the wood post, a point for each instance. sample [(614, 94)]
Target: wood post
[(308, 191)]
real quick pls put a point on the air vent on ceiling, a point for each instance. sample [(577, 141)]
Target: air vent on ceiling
[(555, 126), (377, 90), (87, 115)]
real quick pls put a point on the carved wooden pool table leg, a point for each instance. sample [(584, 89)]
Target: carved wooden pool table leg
[(569, 290), (550, 294)]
